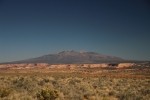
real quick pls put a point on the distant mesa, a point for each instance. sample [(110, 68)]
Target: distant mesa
[(73, 57)]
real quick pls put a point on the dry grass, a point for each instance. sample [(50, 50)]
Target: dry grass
[(41, 84)]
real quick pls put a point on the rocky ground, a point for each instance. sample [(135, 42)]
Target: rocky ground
[(73, 66)]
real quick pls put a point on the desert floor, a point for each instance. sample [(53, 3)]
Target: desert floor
[(77, 84)]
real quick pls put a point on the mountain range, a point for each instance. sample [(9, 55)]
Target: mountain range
[(73, 57)]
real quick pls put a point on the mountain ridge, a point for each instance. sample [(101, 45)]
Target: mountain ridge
[(73, 57)]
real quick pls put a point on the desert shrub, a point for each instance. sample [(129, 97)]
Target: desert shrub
[(24, 83), (19, 82), (47, 94), (74, 86), (145, 91), (4, 92), (41, 83), (46, 80), (111, 93), (74, 81)]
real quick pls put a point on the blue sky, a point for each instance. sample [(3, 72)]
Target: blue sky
[(31, 28)]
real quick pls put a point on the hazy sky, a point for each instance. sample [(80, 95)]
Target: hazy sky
[(31, 28)]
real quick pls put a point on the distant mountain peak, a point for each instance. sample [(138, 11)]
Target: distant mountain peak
[(70, 57), (72, 51)]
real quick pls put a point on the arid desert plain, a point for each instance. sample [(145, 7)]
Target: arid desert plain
[(41, 81)]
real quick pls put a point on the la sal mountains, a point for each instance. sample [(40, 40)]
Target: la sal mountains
[(73, 57)]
